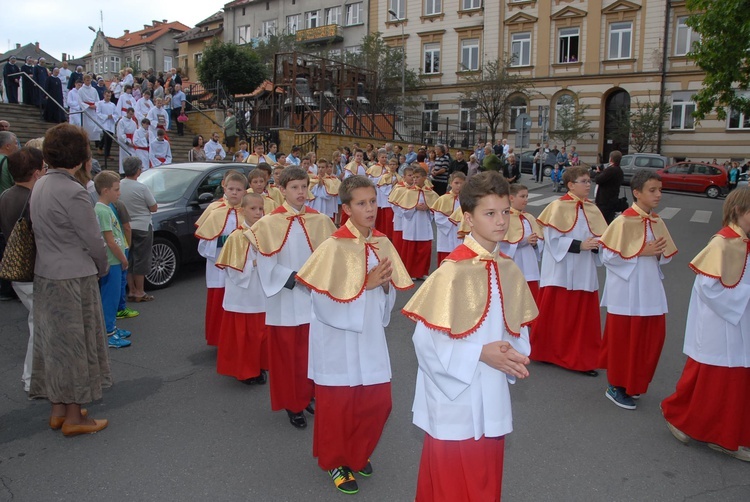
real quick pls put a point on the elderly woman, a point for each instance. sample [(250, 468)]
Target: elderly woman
[(70, 365)]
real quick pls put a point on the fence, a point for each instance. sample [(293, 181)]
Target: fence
[(426, 129)]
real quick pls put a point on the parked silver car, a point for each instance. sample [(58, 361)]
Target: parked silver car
[(632, 162)]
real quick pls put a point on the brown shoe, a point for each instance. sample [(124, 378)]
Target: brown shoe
[(56, 422), (69, 430)]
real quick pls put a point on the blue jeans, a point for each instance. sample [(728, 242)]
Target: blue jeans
[(124, 293), (109, 287)]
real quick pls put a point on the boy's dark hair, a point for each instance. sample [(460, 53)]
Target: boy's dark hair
[(256, 173), (419, 170), (515, 188), (456, 174), (481, 185), (235, 176), (322, 161), (573, 173), (641, 177), (127, 88), (105, 179), (292, 174), (147, 121), (23, 163), (295, 148), (350, 184), (263, 166)]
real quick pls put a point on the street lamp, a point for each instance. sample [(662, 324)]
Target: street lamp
[(403, 58)]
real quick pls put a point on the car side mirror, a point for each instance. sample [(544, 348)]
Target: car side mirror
[(205, 197)]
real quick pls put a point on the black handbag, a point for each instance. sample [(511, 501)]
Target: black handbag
[(18, 260)]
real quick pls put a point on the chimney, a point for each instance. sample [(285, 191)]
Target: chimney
[(18, 46), (37, 46), (164, 21), (127, 32), (64, 57)]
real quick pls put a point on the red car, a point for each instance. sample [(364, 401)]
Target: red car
[(699, 177)]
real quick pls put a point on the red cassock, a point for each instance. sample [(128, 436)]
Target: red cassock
[(385, 215), (287, 358), (214, 314), (416, 256), (243, 349)]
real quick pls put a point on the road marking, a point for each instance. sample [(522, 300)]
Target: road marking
[(668, 212), (534, 195), (543, 202), (701, 216)]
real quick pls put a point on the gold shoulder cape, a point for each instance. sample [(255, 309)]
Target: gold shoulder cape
[(455, 299), (444, 204), (208, 210), (562, 215), (457, 218), (276, 195), (409, 198), (724, 257), (515, 226), (353, 167), (268, 235), (396, 193), (332, 184), (269, 205), (375, 170), (338, 268), (626, 235), (215, 221), (389, 179), (235, 250)]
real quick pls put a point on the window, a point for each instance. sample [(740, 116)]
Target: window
[(293, 23), (738, 120), (517, 107), (432, 7), (564, 110), (469, 55), (354, 14), (430, 117), (167, 63), (333, 15), (399, 7), (467, 115), (244, 34), (114, 64), (470, 4), (520, 44), (198, 58), (684, 37), (682, 112), (679, 169), (269, 28), (312, 19), (568, 41), (431, 58), (620, 35)]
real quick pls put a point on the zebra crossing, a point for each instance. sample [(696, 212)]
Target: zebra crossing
[(540, 200)]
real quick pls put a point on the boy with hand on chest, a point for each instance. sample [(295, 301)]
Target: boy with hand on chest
[(443, 208), (521, 242), (349, 360)]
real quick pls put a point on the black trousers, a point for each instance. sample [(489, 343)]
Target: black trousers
[(180, 125), (107, 143)]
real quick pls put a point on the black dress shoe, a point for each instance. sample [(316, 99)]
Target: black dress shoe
[(310, 408), (260, 379), (297, 419), (591, 373)]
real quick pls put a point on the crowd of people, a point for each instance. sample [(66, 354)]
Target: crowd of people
[(304, 256)]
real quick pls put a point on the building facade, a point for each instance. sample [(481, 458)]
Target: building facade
[(324, 26), (152, 47), (192, 43), (607, 56)]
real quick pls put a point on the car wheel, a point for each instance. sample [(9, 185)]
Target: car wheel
[(547, 171), (164, 264), (713, 192)]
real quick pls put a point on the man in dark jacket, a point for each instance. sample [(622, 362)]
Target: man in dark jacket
[(609, 181)]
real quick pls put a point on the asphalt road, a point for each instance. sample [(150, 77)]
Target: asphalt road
[(179, 431)]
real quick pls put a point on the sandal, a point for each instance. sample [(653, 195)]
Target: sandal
[(145, 298), (131, 298)]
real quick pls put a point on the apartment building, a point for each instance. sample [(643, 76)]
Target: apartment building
[(192, 43), (606, 55)]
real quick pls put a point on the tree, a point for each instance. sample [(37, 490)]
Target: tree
[(642, 125), (724, 29), (570, 119), (377, 56), (238, 68), (267, 48), (491, 90)]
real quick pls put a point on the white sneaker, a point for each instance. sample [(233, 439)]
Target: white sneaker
[(741, 453)]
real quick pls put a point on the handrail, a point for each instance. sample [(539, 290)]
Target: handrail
[(67, 113)]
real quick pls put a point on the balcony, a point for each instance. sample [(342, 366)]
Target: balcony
[(328, 34)]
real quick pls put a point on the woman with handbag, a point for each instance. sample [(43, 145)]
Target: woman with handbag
[(70, 364), (26, 166)]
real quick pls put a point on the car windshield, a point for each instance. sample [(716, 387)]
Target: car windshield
[(168, 185)]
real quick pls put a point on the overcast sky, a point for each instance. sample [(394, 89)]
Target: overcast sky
[(61, 26)]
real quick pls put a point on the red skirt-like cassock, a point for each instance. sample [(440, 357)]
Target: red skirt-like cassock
[(287, 360), (534, 287), (630, 350), (348, 423), (416, 257), (711, 404), (441, 255), (214, 313), (466, 470), (567, 332), (243, 351), (380, 221), (398, 242), (387, 218)]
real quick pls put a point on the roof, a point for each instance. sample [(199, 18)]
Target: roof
[(27, 50), (149, 34), (197, 34), (216, 16), (236, 3)]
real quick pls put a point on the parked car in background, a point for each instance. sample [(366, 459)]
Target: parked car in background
[(697, 177), (182, 191), (527, 159), (632, 162)]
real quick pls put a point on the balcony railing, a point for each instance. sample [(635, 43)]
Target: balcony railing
[(329, 33)]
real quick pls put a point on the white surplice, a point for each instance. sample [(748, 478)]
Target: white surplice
[(524, 254), (243, 293), (572, 271), (210, 251), (417, 225), (447, 231), (88, 96), (160, 153), (125, 133)]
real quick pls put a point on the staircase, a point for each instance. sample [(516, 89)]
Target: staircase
[(26, 123)]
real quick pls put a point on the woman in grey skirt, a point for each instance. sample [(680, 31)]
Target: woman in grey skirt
[(71, 364)]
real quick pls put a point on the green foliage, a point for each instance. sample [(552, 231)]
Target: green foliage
[(238, 68), (491, 90), (571, 122), (724, 27), (267, 48), (644, 124)]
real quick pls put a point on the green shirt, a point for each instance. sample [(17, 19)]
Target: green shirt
[(230, 126), (491, 162), (6, 180), (108, 223)]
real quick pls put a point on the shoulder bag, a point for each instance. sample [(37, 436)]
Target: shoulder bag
[(18, 260)]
